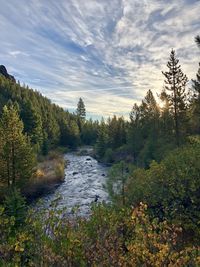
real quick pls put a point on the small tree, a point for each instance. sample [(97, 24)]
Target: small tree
[(16, 155), (175, 84)]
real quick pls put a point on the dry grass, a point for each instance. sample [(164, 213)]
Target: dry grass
[(48, 174)]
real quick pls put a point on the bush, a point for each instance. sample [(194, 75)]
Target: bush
[(127, 237), (171, 188)]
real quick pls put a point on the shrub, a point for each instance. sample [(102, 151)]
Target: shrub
[(171, 188)]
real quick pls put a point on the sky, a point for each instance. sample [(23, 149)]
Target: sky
[(108, 52)]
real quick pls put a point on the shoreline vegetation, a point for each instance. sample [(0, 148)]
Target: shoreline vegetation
[(49, 174)]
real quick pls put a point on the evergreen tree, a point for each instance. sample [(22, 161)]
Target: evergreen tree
[(73, 134), (102, 140), (81, 111), (166, 119), (32, 123), (16, 156), (134, 136), (81, 114), (144, 129), (116, 132), (150, 114), (175, 84), (89, 132)]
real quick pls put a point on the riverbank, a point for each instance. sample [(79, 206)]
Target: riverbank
[(85, 180), (49, 174)]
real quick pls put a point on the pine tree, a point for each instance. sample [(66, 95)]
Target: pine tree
[(116, 132), (32, 124), (102, 140), (150, 113), (134, 136), (166, 119), (81, 114), (81, 111), (175, 84), (16, 155)]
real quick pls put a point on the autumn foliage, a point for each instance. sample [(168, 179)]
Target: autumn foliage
[(127, 237)]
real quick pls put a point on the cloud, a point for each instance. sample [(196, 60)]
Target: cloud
[(109, 54), (17, 53)]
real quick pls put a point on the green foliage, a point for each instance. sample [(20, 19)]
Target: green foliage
[(110, 136), (102, 140), (45, 123), (16, 155), (32, 124), (171, 188), (15, 206), (81, 112), (89, 132), (116, 132), (145, 130), (108, 156), (175, 84)]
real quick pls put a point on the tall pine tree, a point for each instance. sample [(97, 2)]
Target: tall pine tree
[(175, 84), (81, 113), (16, 155)]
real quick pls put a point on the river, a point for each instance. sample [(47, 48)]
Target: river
[(84, 180)]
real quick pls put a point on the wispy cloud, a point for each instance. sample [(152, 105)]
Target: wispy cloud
[(109, 54)]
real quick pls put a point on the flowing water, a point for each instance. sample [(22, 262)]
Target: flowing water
[(84, 182)]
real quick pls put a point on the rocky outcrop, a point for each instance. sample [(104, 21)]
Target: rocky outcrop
[(3, 71)]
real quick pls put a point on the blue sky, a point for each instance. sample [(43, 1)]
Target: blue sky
[(109, 52)]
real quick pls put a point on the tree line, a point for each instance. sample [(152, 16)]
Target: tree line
[(154, 128), (30, 126)]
